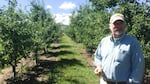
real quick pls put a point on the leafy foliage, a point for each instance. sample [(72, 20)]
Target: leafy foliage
[(16, 38), (23, 33), (88, 27)]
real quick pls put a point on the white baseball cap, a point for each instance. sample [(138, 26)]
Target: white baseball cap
[(117, 16)]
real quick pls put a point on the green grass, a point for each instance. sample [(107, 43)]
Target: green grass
[(72, 68)]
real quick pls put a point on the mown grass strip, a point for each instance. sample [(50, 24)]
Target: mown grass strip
[(72, 68)]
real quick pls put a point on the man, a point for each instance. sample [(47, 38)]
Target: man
[(118, 56)]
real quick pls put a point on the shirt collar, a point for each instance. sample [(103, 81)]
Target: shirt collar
[(117, 39)]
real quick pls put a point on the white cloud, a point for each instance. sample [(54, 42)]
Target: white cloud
[(48, 7), (62, 18), (67, 5)]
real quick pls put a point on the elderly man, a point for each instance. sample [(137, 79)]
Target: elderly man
[(119, 57)]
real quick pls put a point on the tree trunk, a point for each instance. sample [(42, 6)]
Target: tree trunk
[(13, 65), (14, 71), (36, 56)]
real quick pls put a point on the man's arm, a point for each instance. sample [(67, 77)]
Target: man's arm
[(137, 62), (97, 60)]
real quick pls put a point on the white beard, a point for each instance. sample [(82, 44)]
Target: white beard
[(118, 33)]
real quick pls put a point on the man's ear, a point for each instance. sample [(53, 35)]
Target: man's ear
[(110, 26)]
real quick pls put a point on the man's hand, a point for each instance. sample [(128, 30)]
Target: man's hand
[(98, 70)]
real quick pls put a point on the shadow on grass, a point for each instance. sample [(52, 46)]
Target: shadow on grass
[(60, 46), (57, 53), (54, 77), (46, 67)]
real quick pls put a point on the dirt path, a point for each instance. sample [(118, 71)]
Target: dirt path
[(88, 57), (7, 72)]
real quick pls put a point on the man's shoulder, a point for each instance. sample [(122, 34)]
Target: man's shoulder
[(106, 38), (130, 37)]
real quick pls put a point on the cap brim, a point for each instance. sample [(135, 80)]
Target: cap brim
[(115, 19)]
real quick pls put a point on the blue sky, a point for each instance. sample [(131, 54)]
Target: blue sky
[(61, 9)]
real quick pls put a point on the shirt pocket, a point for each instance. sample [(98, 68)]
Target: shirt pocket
[(122, 55), (104, 51)]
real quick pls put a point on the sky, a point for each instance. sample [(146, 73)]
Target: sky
[(60, 9)]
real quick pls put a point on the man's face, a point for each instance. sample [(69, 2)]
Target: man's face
[(117, 28)]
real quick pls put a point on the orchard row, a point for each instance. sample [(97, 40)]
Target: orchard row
[(24, 32)]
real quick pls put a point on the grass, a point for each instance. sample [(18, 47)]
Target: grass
[(72, 68)]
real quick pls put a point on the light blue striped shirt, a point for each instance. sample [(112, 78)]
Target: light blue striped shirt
[(121, 59)]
